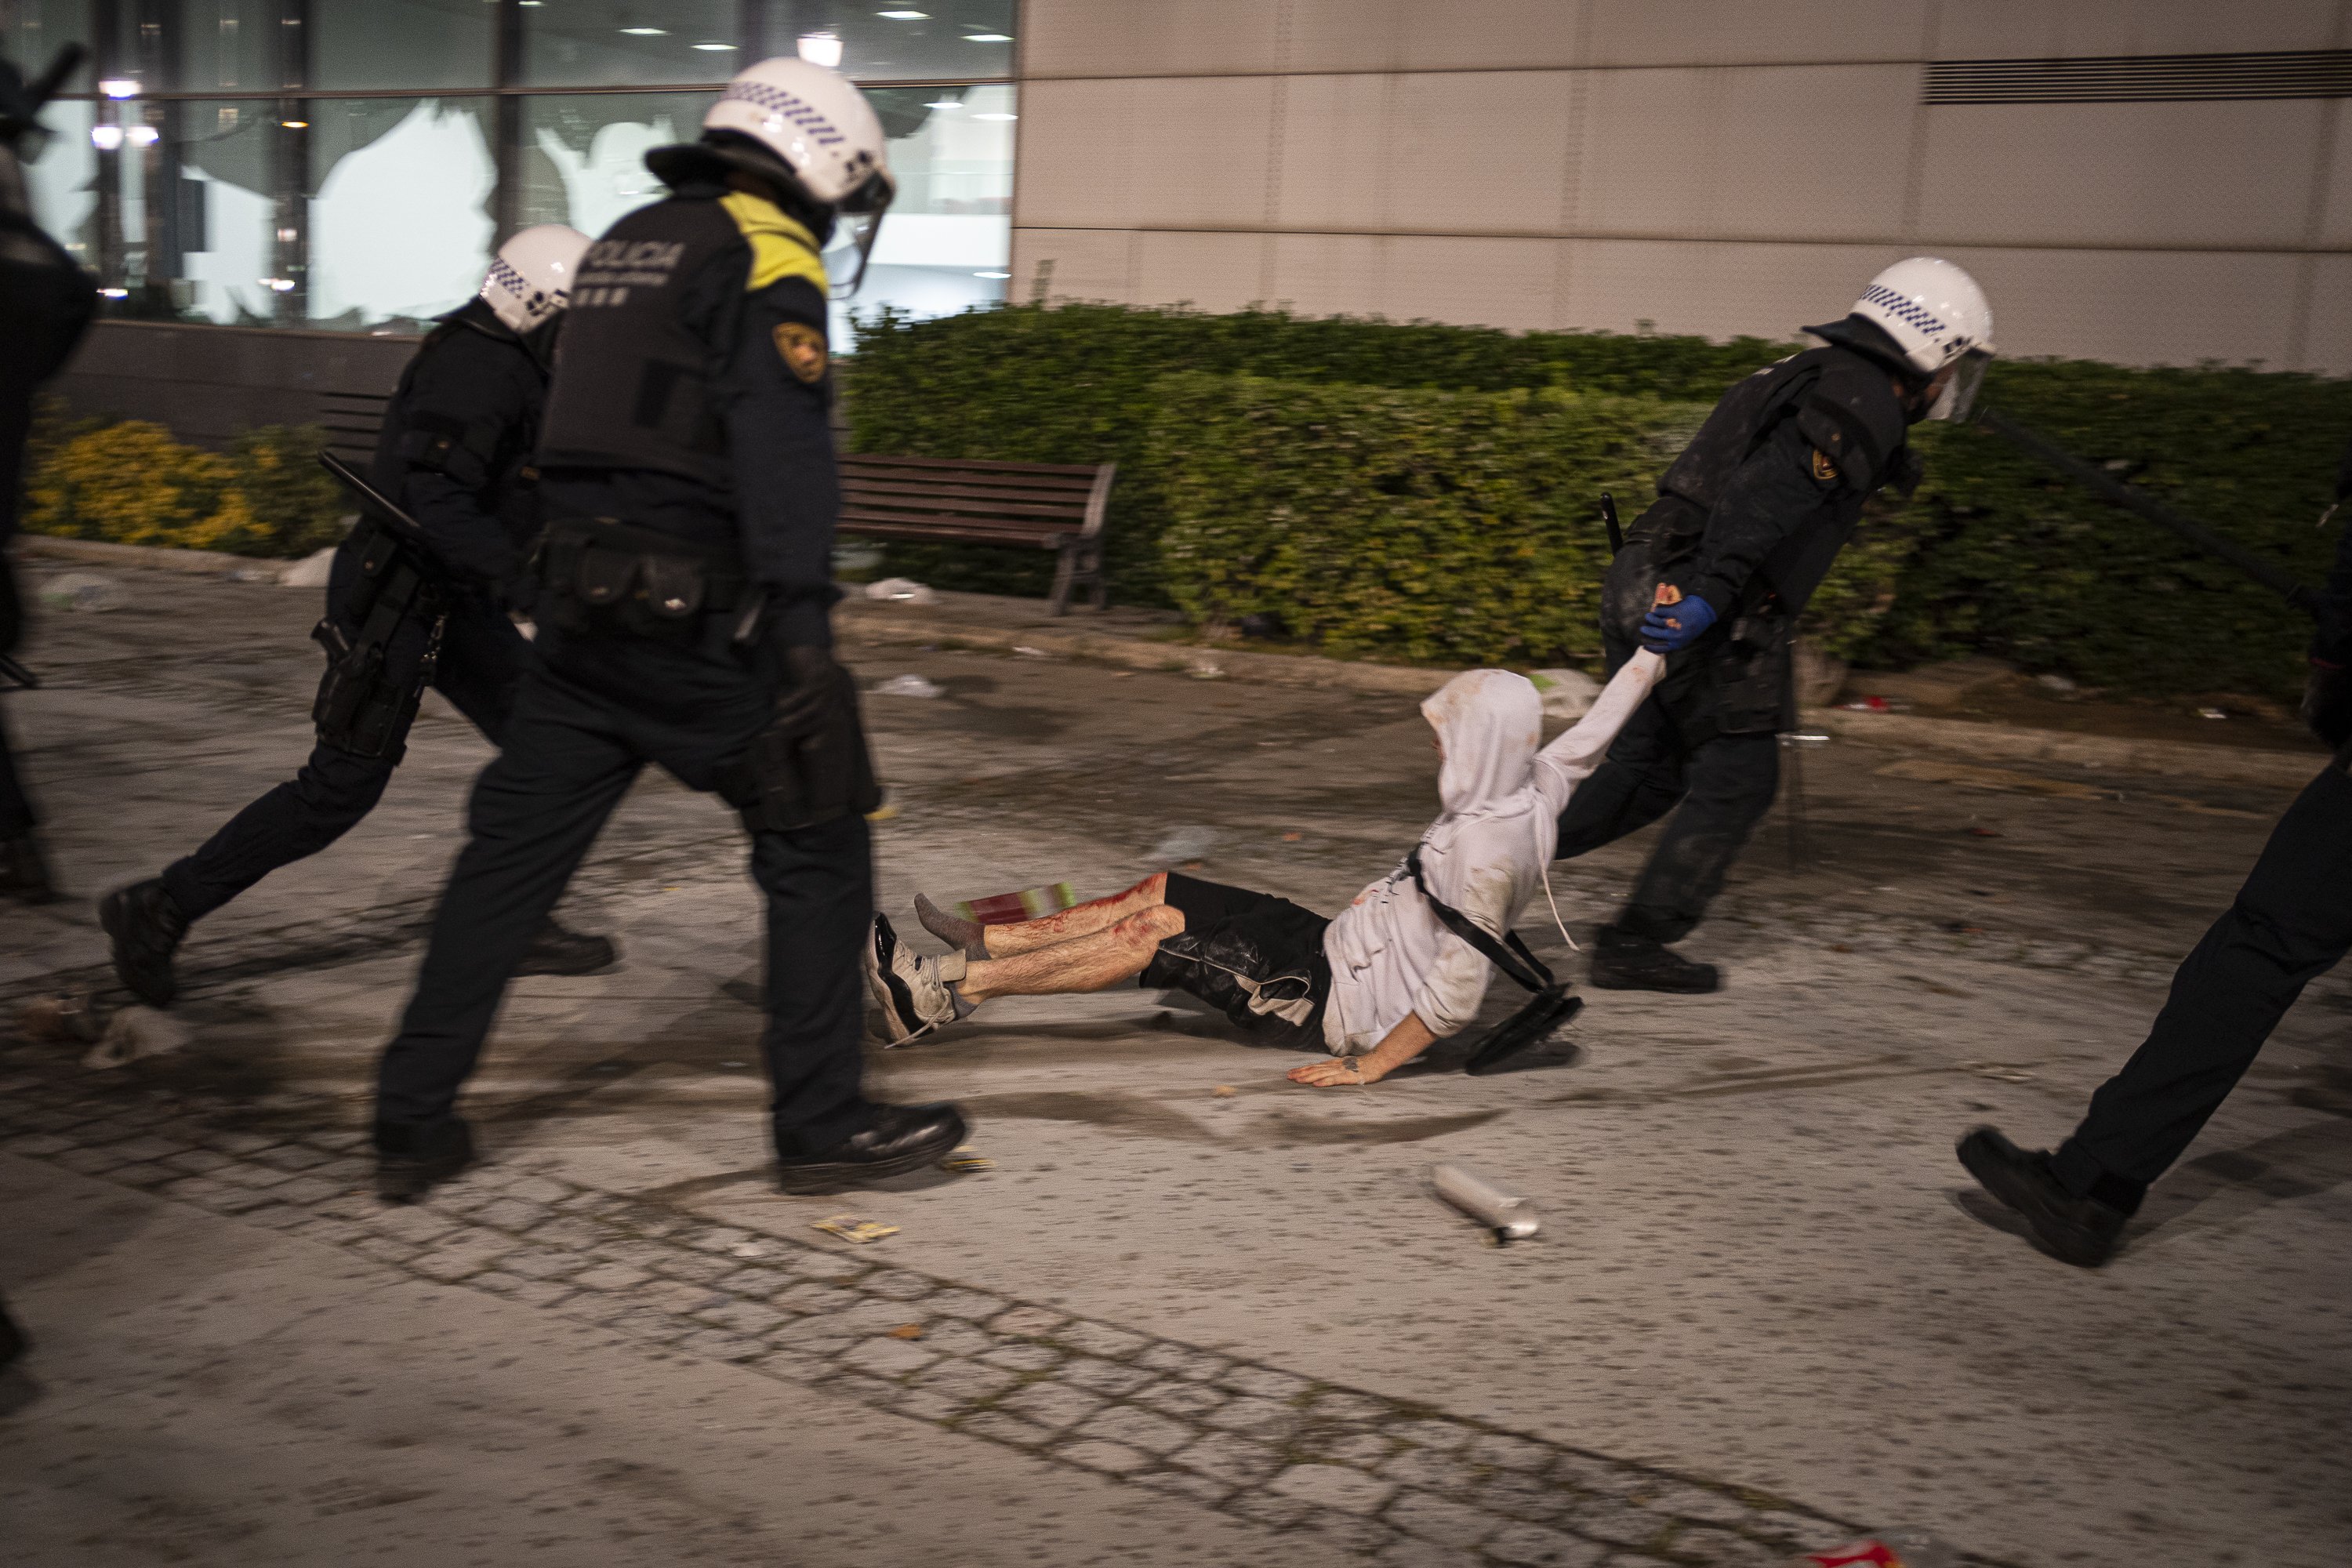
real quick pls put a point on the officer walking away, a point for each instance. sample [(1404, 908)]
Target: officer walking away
[(2292, 923), (404, 611), (46, 305), (1748, 521), (685, 621)]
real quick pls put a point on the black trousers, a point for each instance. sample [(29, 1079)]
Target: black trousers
[(483, 658), (16, 818), (583, 728), (1672, 752), (2292, 922)]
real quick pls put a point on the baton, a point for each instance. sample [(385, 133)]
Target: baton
[(2107, 488), (18, 673), (405, 527), (1609, 515)]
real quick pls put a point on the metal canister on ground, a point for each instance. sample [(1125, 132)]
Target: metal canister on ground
[(1510, 1216)]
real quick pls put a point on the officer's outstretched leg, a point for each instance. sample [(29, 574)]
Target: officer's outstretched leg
[(24, 869), (1731, 782), (819, 884), (2292, 922), (535, 811), (1639, 781), (483, 661)]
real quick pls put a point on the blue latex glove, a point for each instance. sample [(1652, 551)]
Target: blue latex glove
[(1669, 628)]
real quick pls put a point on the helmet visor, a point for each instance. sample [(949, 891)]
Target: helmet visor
[(1959, 394), (853, 231)]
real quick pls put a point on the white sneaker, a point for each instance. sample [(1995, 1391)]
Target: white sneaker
[(907, 988)]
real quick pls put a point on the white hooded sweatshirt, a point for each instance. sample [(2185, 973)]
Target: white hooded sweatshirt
[(1486, 855)]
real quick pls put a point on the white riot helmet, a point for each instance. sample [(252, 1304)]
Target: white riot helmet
[(808, 125), (1937, 316), (531, 277)]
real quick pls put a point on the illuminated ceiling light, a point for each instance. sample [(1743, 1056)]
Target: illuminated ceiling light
[(996, 117), (820, 49), (904, 15), (988, 37), (295, 124), (119, 87), (646, 32), (999, 275), (728, 48), (278, 285), (116, 293), (106, 138), (946, 103), (142, 135)]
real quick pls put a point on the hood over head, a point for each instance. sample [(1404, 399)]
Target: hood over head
[(1491, 723)]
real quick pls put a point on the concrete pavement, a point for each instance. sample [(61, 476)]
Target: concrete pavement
[(1762, 1302)]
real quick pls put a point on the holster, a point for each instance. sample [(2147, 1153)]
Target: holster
[(364, 705), (599, 576), (1752, 671), (797, 775)]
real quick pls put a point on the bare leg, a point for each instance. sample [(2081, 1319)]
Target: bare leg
[(1096, 962), (1082, 920)]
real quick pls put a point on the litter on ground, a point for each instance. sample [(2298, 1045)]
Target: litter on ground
[(849, 1227)]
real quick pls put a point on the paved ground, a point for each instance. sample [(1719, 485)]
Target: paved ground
[(1169, 1323)]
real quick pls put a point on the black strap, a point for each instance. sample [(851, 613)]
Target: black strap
[(1510, 954)]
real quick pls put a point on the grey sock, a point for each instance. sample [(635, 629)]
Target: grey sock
[(963, 1009), (953, 930)]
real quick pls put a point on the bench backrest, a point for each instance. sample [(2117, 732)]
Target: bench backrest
[(1044, 504)]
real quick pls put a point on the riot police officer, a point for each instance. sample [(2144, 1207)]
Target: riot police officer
[(45, 304), (1748, 521), (2291, 923), (685, 605), (405, 612)]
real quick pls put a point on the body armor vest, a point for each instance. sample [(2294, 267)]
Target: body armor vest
[(635, 379)]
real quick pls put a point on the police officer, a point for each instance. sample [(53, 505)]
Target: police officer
[(45, 304), (1748, 521), (691, 490), (404, 613), (2292, 923)]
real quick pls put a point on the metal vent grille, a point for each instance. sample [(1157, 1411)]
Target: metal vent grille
[(2143, 79)]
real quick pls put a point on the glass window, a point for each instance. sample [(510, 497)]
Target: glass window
[(417, 43), (33, 31), (63, 182), (219, 261), (621, 42), (948, 237), (584, 158), (879, 41), (400, 224), (215, 45)]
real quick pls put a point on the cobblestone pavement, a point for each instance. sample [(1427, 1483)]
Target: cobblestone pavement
[(1394, 1482)]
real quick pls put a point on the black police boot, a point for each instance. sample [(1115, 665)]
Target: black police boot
[(146, 928), (2082, 1231), (411, 1160), (2332, 1093), (13, 1342), (25, 871), (903, 1138), (1625, 961), (556, 951)]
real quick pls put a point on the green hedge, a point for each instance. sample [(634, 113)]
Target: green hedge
[(1076, 384), (1994, 555)]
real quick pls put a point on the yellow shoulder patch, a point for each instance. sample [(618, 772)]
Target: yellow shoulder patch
[(781, 248), (1823, 468)]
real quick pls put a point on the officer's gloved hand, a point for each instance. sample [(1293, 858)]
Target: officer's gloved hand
[(1670, 627), (2327, 702), (814, 692)]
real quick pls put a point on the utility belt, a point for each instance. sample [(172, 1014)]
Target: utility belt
[(599, 576), (1551, 1006), (366, 701)]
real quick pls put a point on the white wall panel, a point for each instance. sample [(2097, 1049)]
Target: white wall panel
[(2335, 198), (1412, 34), (1148, 38), (1200, 149), (1719, 290), (1089, 264), (1213, 272), (1753, 32), (1329, 274), (1479, 152), (1476, 282), (2120, 173), (2028, 29), (2138, 306), (1073, 150), (2328, 340), (1335, 152)]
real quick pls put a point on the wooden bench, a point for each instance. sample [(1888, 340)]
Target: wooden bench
[(952, 500)]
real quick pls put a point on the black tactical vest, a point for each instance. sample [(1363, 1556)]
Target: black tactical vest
[(1844, 404), (635, 382)]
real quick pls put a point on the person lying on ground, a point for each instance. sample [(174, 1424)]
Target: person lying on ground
[(1376, 986)]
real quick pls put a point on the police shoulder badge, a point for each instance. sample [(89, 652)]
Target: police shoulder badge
[(1823, 468), (803, 348)]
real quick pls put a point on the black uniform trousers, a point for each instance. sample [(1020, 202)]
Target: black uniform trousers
[(16, 818), (2292, 922), (482, 661), (585, 725), (1670, 752)]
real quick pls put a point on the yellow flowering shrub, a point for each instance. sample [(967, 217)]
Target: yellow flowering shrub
[(130, 483)]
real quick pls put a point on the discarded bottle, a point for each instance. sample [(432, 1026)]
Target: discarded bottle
[(1508, 1216), (1905, 1546)]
